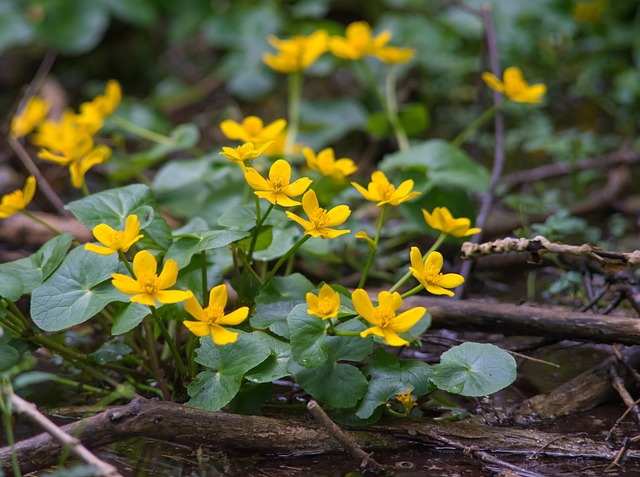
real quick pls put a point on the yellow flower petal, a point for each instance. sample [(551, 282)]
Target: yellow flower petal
[(198, 328), (221, 336), (193, 307), (169, 275), (235, 317)]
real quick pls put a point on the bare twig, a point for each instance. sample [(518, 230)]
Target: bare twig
[(618, 385), (611, 261), (30, 410), (615, 158), (338, 434), (498, 157), (482, 455)]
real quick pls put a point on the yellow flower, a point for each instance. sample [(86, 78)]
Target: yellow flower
[(320, 219), (63, 141), (297, 53), (278, 189), (212, 317), (325, 305), (406, 399), (245, 152), (252, 129), (325, 163), (442, 220), (33, 113), (359, 42), (392, 54), (386, 324), (515, 86), (380, 190), (80, 166), (92, 113), (18, 199), (278, 146), (115, 240), (147, 287), (428, 273)]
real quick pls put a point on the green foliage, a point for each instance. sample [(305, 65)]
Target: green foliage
[(76, 291), (390, 376), (33, 270), (226, 365), (308, 337), (474, 369)]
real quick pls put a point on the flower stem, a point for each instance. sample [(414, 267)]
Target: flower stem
[(124, 259), (40, 221), (346, 333), (411, 292), (406, 276), (143, 132), (284, 258), (85, 189), (295, 93), (205, 285), (169, 340), (372, 253), (5, 404), (153, 359), (391, 107), (259, 223), (460, 139)]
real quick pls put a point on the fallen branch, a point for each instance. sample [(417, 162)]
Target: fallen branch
[(31, 411), (183, 425), (609, 260), (527, 320)]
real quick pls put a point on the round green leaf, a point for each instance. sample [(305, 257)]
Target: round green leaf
[(308, 337), (76, 291), (130, 316), (217, 386), (474, 369)]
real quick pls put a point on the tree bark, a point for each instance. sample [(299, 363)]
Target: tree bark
[(528, 320), (194, 427)]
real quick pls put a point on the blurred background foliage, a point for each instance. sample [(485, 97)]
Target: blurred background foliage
[(200, 62)]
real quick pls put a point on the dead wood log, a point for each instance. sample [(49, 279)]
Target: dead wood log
[(194, 427), (528, 320)]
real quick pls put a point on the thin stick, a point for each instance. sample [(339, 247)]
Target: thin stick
[(498, 156), (30, 410), (481, 455), (338, 434), (43, 185)]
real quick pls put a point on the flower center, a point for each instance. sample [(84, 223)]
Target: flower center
[(432, 274), (279, 182), (386, 190), (213, 314), (149, 284), (253, 126), (383, 316), (325, 306), (319, 218)]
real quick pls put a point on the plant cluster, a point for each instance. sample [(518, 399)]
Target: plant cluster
[(227, 274)]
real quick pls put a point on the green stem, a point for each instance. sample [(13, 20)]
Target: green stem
[(124, 259), (5, 404), (295, 93), (411, 292), (476, 123), (391, 107), (372, 253), (40, 221), (143, 132), (205, 285), (284, 258), (406, 276), (247, 265), (153, 358), (169, 340), (346, 333), (85, 189), (259, 222)]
